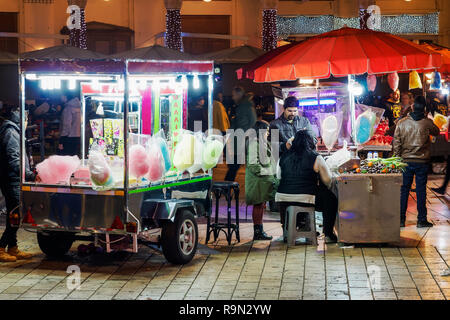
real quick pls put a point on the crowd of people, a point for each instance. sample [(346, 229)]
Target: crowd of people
[(301, 175)]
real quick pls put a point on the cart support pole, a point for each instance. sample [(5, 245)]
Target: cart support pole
[(352, 106)]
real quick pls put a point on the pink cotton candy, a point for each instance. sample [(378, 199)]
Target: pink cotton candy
[(393, 80), (155, 161), (139, 164), (57, 169), (371, 82)]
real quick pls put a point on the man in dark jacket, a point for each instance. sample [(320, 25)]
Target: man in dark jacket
[(289, 123), (10, 183), (245, 119), (412, 143)]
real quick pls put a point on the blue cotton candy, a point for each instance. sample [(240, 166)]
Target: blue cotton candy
[(363, 131), (165, 153)]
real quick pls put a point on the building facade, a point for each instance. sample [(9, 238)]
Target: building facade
[(207, 26)]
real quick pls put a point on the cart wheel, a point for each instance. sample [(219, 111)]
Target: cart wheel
[(179, 239), (55, 244)]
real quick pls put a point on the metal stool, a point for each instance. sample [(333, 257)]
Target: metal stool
[(300, 222), (228, 189)]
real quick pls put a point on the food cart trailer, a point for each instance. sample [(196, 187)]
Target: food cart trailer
[(132, 99)]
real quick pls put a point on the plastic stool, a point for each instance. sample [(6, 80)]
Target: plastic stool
[(300, 222)]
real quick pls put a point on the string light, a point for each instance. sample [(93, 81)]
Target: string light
[(173, 29), (269, 33)]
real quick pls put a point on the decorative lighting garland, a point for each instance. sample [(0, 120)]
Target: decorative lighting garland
[(78, 37), (269, 32), (400, 24), (173, 29)]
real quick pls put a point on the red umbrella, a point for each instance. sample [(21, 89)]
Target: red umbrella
[(347, 51), (247, 71)]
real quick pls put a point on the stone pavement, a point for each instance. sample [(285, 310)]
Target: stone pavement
[(261, 270)]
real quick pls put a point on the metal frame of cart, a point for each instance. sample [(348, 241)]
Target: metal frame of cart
[(162, 212)]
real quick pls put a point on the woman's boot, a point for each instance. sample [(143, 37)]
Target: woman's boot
[(259, 234)]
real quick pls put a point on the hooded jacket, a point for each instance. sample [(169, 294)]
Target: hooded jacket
[(10, 153), (71, 119), (245, 115), (412, 138)]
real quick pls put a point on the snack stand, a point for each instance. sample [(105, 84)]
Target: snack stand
[(124, 104), (369, 202)]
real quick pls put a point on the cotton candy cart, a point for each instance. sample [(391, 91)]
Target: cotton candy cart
[(123, 102)]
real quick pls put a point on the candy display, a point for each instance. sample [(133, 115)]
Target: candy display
[(212, 151), (364, 126), (184, 152), (57, 169), (155, 161), (139, 165), (380, 138), (381, 166), (198, 153)]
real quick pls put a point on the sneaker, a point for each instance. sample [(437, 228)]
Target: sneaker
[(440, 191), (424, 224), (20, 255)]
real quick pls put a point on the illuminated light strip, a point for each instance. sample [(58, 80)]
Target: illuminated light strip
[(175, 184), (314, 102)]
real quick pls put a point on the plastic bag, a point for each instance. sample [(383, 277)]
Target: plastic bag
[(183, 157), (160, 138), (440, 121), (212, 151), (155, 160), (366, 122), (339, 158), (198, 152), (138, 163), (57, 169), (99, 169), (330, 127)]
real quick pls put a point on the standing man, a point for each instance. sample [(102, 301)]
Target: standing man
[(220, 117), (412, 143), (289, 123), (244, 119), (10, 183), (69, 141)]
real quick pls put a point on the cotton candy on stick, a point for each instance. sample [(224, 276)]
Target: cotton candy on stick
[(57, 169), (211, 153), (165, 153), (371, 82), (184, 152), (139, 164), (99, 169), (393, 80)]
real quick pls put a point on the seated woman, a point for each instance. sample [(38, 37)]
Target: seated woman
[(305, 180)]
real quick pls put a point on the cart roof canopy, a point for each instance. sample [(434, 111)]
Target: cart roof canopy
[(241, 54), (155, 52), (63, 52)]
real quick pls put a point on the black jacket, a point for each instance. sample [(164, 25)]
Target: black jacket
[(10, 153), (288, 130)]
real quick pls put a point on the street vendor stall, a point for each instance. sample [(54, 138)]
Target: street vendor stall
[(368, 199), (134, 177)]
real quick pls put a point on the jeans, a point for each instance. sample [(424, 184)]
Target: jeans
[(420, 170), (11, 194)]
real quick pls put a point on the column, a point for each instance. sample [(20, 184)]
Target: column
[(269, 22), (78, 37), (173, 38)]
